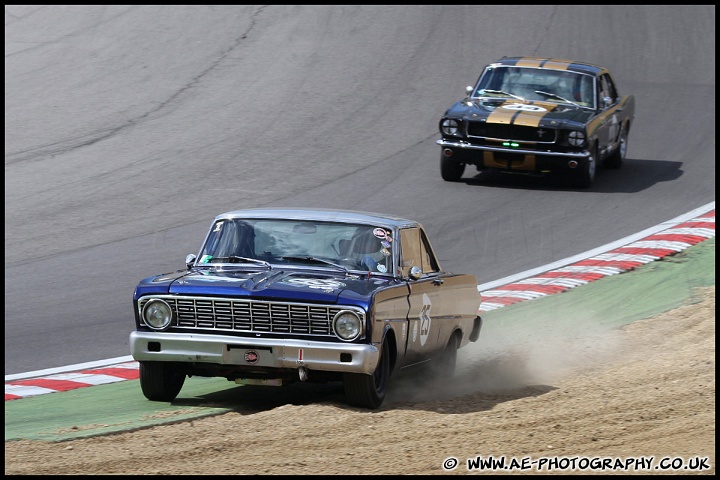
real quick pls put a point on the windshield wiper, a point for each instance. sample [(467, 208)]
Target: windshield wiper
[(548, 94), (239, 259), (501, 92), (308, 258)]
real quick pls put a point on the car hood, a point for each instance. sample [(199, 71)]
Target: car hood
[(518, 112), (280, 285)]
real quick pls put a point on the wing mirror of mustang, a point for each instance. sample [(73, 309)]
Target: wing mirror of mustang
[(189, 260), (415, 272)]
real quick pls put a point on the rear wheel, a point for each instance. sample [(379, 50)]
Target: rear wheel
[(368, 391), (444, 367), (450, 169), (160, 381)]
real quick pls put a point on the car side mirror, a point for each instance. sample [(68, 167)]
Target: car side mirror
[(469, 90), (415, 272), (607, 101), (189, 260)]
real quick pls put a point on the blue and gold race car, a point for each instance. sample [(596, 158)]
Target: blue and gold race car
[(292, 295), (536, 116)]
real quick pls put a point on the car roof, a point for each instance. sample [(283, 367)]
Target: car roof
[(551, 63), (321, 215)]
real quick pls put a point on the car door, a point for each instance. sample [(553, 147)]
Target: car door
[(609, 126), (426, 307)]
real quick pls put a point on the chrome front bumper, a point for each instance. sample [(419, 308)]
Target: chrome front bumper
[(253, 352), (469, 146)]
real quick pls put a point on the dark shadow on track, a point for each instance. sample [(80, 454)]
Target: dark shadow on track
[(634, 176)]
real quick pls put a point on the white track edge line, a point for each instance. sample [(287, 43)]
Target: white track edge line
[(603, 249)]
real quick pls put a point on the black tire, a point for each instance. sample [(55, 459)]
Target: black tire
[(616, 159), (586, 174), (368, 391), (444, 366), (451, 170), (160, 381)]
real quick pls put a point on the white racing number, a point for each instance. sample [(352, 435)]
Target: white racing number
[(319, 283), (524, 107)]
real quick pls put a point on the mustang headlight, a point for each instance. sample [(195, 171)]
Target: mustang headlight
[(576, 138), (449, 127), (157, 314), (347, 325)]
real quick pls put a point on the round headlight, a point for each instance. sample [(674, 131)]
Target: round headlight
[(347, 325), (449, 127), (576, 139), (157, 314)]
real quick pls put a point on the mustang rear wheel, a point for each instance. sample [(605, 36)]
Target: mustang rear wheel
[(368, 391), (450, 170), (160, 381)]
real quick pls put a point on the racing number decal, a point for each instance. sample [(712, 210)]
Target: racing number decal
[(327, 285), (524, 107), (614, 128), (425, 319)]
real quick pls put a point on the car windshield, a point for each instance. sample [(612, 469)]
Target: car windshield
[(560, 86), (273, 242)]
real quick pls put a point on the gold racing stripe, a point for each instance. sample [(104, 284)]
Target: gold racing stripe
[(503, 115), (519, 117), (550, 63), (529, 119), (528, 163), (528, 62), (489, 160), (557, 64), (495, 160)]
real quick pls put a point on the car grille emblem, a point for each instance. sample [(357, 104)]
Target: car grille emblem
[(541, 132)]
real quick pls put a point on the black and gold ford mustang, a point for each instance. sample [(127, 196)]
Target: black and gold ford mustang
[(535, 116)]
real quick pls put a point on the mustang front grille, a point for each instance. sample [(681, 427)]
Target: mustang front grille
[(204, 313), (518, 133)]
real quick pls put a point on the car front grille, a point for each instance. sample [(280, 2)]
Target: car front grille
[(518, 133), (204, 313)]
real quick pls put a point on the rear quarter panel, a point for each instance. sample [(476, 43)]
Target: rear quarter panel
[(461, 300)]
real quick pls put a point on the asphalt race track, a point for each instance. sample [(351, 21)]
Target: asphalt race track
[(128, 128)]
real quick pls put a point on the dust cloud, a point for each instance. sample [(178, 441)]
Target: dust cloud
[(511, 356)]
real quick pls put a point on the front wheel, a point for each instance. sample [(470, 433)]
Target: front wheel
[(586, 174), (160, 381), (616, 159), (368, 391), (451, 170)]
